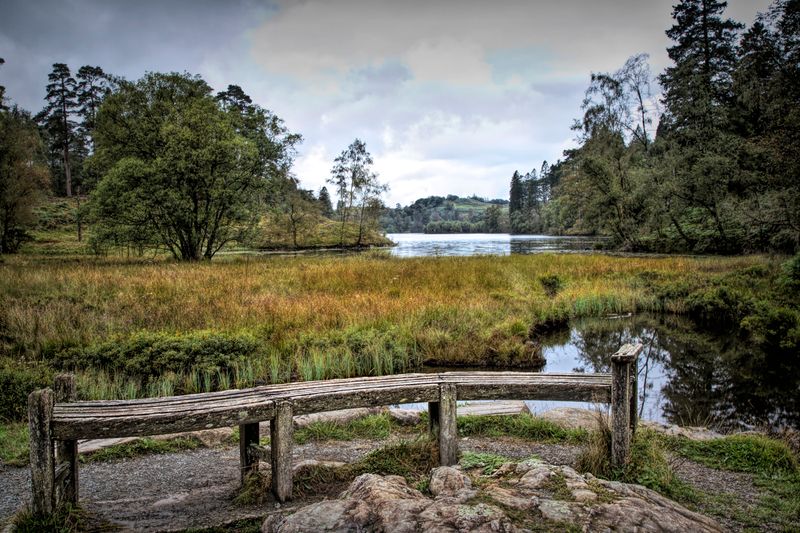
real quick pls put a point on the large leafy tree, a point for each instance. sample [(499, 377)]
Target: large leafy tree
[(177, 169), (23, 176)]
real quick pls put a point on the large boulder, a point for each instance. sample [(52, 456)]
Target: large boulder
[(517, 497)]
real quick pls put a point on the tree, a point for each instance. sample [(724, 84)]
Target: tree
[(357, 187), (2, 90), (274, 142), (23, 176), (325, 205), (695, 126), (56, 117), (178, 172), (93, 86), (697, 88)]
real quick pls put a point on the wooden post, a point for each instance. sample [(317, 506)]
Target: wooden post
[(434, 417), (448, 430), (66, 458), (621, 363), (248, 459), (634, 392), (281, 429), (40, 414)]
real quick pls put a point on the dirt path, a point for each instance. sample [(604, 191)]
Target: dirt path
[(195, 489)]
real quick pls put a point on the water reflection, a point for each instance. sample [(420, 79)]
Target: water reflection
[(687, 376), (421, 244)]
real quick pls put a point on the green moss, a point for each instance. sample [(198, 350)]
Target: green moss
[(487, 462)]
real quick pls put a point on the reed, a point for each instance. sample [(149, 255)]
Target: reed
[(237, 322)]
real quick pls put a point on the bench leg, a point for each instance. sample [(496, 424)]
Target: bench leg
[(448, 430), (281, 430), (66, 459), (248, 461), (40, 414), (434, 416), (620, 414)]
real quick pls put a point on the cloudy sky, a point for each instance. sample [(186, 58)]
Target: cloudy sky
[(450, 96)]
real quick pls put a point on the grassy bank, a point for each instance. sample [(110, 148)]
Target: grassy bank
[(148, 328)]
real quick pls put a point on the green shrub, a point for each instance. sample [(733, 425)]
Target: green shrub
[(552, 284), (17, 381), (148, 355)]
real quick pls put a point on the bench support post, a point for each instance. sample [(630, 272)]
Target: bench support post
[(66, 458), (40, 415), (447, 428), (248, 459), (434, 414), (623, 391), (281, 429)]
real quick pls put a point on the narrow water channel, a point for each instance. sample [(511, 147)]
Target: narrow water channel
[(687, 376)]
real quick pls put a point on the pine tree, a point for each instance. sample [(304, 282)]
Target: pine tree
[(697, 88), (326, 207), (2, 89), (56, 119), (93, 85)]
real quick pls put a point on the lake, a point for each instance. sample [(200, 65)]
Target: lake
[(463, 244)]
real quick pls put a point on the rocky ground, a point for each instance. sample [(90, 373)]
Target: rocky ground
[(517, 497), (196, 489)]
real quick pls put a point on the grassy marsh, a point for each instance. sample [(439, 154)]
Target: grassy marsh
[(152, 328)]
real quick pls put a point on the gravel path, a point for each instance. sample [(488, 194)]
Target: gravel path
[(195, 489)]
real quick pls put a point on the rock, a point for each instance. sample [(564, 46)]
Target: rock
[(574, 418), (406, 417), (493, 408), (689, 432), (447, 481), (387, 503), (342, 416), (313, 463)]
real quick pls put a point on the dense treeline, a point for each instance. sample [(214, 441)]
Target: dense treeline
[(451, 214), (711, 166), (164, 163)]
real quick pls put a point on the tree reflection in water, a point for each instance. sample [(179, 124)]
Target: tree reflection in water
[(690, 376)]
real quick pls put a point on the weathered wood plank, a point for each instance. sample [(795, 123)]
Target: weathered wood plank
[(160, 423), (66, 451), (448, 430), (248, 461), (40, 412), (281, 431)]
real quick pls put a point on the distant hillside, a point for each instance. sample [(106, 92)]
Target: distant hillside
[(451, 214)]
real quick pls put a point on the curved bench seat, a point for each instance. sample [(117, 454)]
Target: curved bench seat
[(174, 414), (56, 420)]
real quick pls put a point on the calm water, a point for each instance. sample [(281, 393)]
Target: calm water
[(423, 244), (686, 376)]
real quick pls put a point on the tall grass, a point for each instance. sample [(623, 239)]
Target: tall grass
[(313, 317)]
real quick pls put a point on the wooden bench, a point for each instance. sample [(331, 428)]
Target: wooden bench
[(57, 421)]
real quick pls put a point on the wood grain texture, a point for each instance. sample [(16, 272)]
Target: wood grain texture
[(40, 413), (281, 431), (66, 451), (448, 429)]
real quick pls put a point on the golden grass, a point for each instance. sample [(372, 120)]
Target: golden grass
[(456, 309)]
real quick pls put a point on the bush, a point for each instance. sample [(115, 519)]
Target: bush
[(16, 383), (148, 355), (552, 284)]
